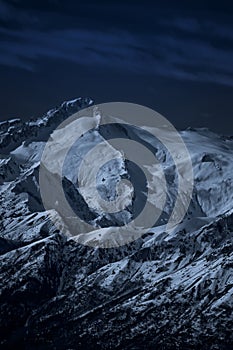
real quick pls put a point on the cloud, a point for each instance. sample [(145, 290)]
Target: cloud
[(16, 16), (200, 27), (181, 48), (5, 11)]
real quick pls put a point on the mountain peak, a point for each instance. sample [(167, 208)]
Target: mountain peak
[(160, 291)]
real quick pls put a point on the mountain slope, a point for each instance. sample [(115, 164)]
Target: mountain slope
[(161, 291)]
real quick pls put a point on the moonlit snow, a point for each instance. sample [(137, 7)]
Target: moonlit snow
[(160, 291)]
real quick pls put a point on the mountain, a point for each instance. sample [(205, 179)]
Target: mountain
[(161, 291)]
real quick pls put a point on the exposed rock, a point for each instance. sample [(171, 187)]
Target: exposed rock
[(159, 292)]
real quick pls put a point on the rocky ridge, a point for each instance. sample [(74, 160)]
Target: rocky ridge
[(161, 291)]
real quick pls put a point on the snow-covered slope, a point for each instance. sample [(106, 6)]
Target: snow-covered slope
[(159, 292)]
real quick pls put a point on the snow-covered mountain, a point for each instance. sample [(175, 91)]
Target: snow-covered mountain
[(159, 292)]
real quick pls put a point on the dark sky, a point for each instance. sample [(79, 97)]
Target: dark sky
[(173, 56)]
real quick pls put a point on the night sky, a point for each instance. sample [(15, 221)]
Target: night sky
[(173, 56)]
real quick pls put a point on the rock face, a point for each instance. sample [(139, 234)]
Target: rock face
[(159, 292)]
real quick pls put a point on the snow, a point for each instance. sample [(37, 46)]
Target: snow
[(160, 281)]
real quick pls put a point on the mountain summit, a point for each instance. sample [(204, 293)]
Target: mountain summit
[(159, 292)]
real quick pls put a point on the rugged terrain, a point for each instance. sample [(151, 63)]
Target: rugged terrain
[(159, 292)]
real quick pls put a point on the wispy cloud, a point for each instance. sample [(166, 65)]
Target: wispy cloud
[(182, 48), (10, 14)]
